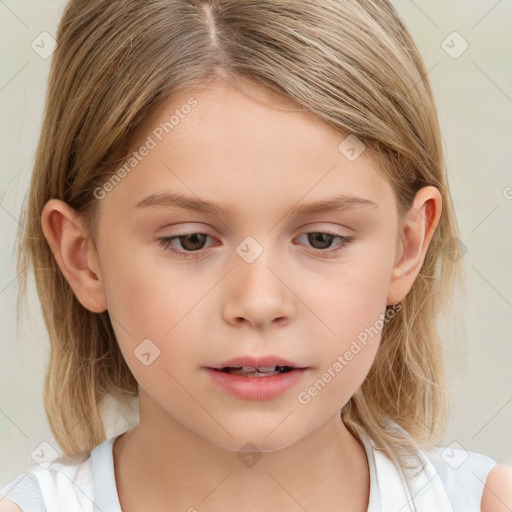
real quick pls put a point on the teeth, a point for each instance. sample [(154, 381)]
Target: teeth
[(265, 368), (250, 371)]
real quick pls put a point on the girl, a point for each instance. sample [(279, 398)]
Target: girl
[(239, 214)]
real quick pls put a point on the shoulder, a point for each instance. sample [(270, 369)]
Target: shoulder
[(22, 493), (497, 493), (465, 476), (38, 485), (6, 505)]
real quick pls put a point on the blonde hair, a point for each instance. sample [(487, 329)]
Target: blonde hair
[(351, 63)]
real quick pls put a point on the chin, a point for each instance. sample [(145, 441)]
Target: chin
[(255, 439)]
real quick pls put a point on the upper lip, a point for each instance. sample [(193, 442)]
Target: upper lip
[(257, 362)]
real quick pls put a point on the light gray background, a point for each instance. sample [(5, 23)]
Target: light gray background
[(474, 93)]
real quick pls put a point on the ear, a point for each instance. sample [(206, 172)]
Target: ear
[(417, 230), (74, 253)]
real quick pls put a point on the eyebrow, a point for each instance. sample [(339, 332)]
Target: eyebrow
[(175, 200)]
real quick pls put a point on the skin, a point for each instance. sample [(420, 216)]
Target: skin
[(259, 156)]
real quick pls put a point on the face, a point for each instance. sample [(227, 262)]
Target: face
[(262, 272)]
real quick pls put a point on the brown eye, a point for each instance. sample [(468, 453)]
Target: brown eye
[(188, 243), (322, 242), (192, 242)]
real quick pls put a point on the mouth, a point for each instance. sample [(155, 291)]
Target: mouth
[(250, 371), (256, 376), (266, 364)]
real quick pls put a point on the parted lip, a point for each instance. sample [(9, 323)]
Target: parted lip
[(257, 361)]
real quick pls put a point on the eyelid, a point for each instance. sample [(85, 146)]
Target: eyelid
[(167, 245), (306, 229)]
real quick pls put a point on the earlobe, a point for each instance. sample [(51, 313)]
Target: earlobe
[(74, 253), (417, 231)]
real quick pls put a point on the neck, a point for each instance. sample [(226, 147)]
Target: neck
[(164, 463)]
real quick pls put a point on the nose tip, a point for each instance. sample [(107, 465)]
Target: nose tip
[(260, 297)]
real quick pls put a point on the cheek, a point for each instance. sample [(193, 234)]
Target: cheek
[(347, 341), (349, 301), (348, 296), (146, 293), (155, 309)]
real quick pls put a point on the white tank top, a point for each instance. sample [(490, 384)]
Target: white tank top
[(452, 480)]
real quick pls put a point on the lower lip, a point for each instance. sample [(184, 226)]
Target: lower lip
[(256, 388)]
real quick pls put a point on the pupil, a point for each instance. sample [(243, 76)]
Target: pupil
[(197, 241), (314, 237)]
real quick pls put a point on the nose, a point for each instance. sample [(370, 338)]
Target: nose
[(258, 294)]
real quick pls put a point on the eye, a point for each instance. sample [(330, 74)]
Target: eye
[(323, 240), (194, 242)]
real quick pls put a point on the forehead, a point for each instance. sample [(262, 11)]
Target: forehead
[(246, 148)]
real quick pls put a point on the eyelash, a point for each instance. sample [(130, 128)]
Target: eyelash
[(166, 243)]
